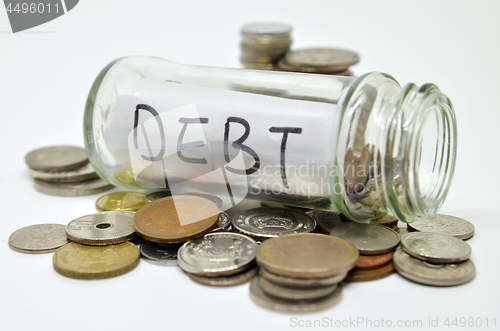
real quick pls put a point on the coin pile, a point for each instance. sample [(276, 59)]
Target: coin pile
[(301, 272), (64, 171), (262, 44)]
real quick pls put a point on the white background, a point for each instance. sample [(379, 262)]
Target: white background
[(45, 75)]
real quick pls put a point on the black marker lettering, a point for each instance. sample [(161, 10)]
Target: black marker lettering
[(239, 143), (285, 131), (157, 117), (193, 144)]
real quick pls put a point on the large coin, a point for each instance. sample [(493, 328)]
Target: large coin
[(127, 201), (433, 274), (217, 254), (232, 280), (364, 275), (307, 255), (88, 187), (176, 219), (37, 239), (295, 293), (160, 254), (444, 224), (302, 282), (104, 228), (272, 222), (57, 158), (435, 247), (81, 174), (290, 306), (373, 261), (367, 238), (95, 262), (331, 58), (328, 220)]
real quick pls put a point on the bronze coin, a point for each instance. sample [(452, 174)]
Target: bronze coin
[(364, 275), (176, 219), (373, 261)]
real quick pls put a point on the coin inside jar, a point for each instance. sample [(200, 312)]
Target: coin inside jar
[(128, 201)]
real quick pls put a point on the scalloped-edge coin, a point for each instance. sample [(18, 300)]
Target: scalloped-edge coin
[(232, 280), (127, 201), (435, 247), (369, 239), (38, 239), (444, 224)]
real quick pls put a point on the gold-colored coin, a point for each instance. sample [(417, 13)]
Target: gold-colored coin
[(95, 262), (126, 176), (128, 201)]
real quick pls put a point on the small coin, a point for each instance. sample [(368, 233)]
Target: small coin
[(69, 176), (217, 254), (127, 201), (369, 239), (233, 280), (433, 274), (160, 254), (104, 228), (364, 275), (126, 176), (37, 239), (223, 222), (435, 247), (95, 262), (158, 195), (265, 223), (331, 58), (373, 261), (299, 282), (176, 219), (88, 187), (291, 306), (327, 220), (57, 158), (444, 224), (295, 293), (307, 255)]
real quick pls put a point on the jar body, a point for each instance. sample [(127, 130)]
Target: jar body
[(313, 141)]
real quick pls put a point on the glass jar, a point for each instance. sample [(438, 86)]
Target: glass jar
[(363, 146)]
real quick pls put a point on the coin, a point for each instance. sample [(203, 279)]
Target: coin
[(104, 228), (331, 58), (369, 239), (176, 219), (295, 293), (363, 275), (433, 274), (444, 224), (401, 231), (283, 65), (300, 282), (215, 199), (37, 239), (265, 223), (160, 254), (217, 254), (95, 262), (373, 261), (158, 195), (291, 306), (69, 176), (327, 220), (237, 279), (307, 255), (57, 158), (435, 247), (126, 176), (223, 222), (88, 187), (128, 201)]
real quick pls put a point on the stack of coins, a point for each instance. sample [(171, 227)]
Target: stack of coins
[(434, 259), (375, 244), (64, 171), (263, 44), (327, 61), (301, 272)]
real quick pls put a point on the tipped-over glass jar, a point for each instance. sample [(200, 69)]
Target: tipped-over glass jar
[(363, 146)]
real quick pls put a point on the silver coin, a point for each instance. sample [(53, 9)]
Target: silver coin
[(285, 66), (433, 274), (272, 222), (158, 195), (295, 293), (217, 254), (237, 279), (165, 255), (331, 58), (369, 239), (110, 227), (88, 187), (81, 174), (223, 223), (444, 224), (302, 282), (435, 247), (266, 28), (37, 239), (57, 158), (291, 306), (328, 220)]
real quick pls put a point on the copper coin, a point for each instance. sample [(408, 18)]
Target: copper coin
[(364, 275), (176, 219), (373, 261)]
